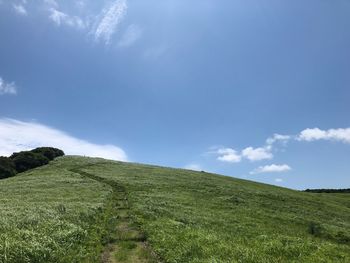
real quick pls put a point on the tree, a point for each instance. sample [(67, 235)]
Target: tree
[(28, 160), (49, 152), (328, 190), (7, 168)]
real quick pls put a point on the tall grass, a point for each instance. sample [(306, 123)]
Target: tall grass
[(199, 217), (52, 214)]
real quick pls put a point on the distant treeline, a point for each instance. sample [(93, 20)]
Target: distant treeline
[(26, 160), (328, 190)]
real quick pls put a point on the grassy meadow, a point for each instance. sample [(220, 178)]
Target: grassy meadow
[(51, 215), (80, 209)]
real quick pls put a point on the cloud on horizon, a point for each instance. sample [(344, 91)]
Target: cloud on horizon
[(316, 134), (193, 166), (7, 88), (18, 136), (265, 152), (229, 155), (272, 168), (278, 180)]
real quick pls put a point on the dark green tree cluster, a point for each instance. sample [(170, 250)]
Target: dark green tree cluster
[(7, 168), (332, 191), (26, 160), (49, 152)]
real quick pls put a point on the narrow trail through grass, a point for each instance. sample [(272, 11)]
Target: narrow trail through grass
[(124, 242), (90, 210)]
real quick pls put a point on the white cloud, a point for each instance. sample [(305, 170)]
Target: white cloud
[(228, 155), (271, 146), (7, 88), (17, 136), (253, 154), (131, 35), (278, 180), (193, 166), (257, 154), (20, 9), (51, 3), (59, 18), (100, 25), (341, 135), (278, 138), (273, 168), (110, 19)]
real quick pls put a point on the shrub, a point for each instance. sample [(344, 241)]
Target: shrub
[(333, 191), (7, 168), (342, 237), (28, 160), (49, 152), (315, 229)]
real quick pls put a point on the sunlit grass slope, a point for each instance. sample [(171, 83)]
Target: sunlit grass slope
[(185, 216), (51, 215)]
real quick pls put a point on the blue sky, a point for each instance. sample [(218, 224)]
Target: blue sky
[(253, 89)]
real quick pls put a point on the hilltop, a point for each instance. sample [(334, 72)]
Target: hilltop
[(78, 209)]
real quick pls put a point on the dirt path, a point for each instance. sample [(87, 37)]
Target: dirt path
[(127, 243)]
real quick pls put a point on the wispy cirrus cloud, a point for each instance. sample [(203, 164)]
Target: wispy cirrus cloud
[(59, 18), (7, 87), (278, 138), (18, 136), (131, 35), (109, 20), (20, 9), (99, 20), (272, 168)]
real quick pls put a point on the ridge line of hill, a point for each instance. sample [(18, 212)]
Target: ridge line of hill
[(80, 209)]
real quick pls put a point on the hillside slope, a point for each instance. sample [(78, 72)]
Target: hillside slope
[(67, 211)]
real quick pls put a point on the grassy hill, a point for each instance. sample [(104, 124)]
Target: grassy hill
[(86, 210)]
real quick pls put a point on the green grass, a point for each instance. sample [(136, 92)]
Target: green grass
[(52, 214)]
